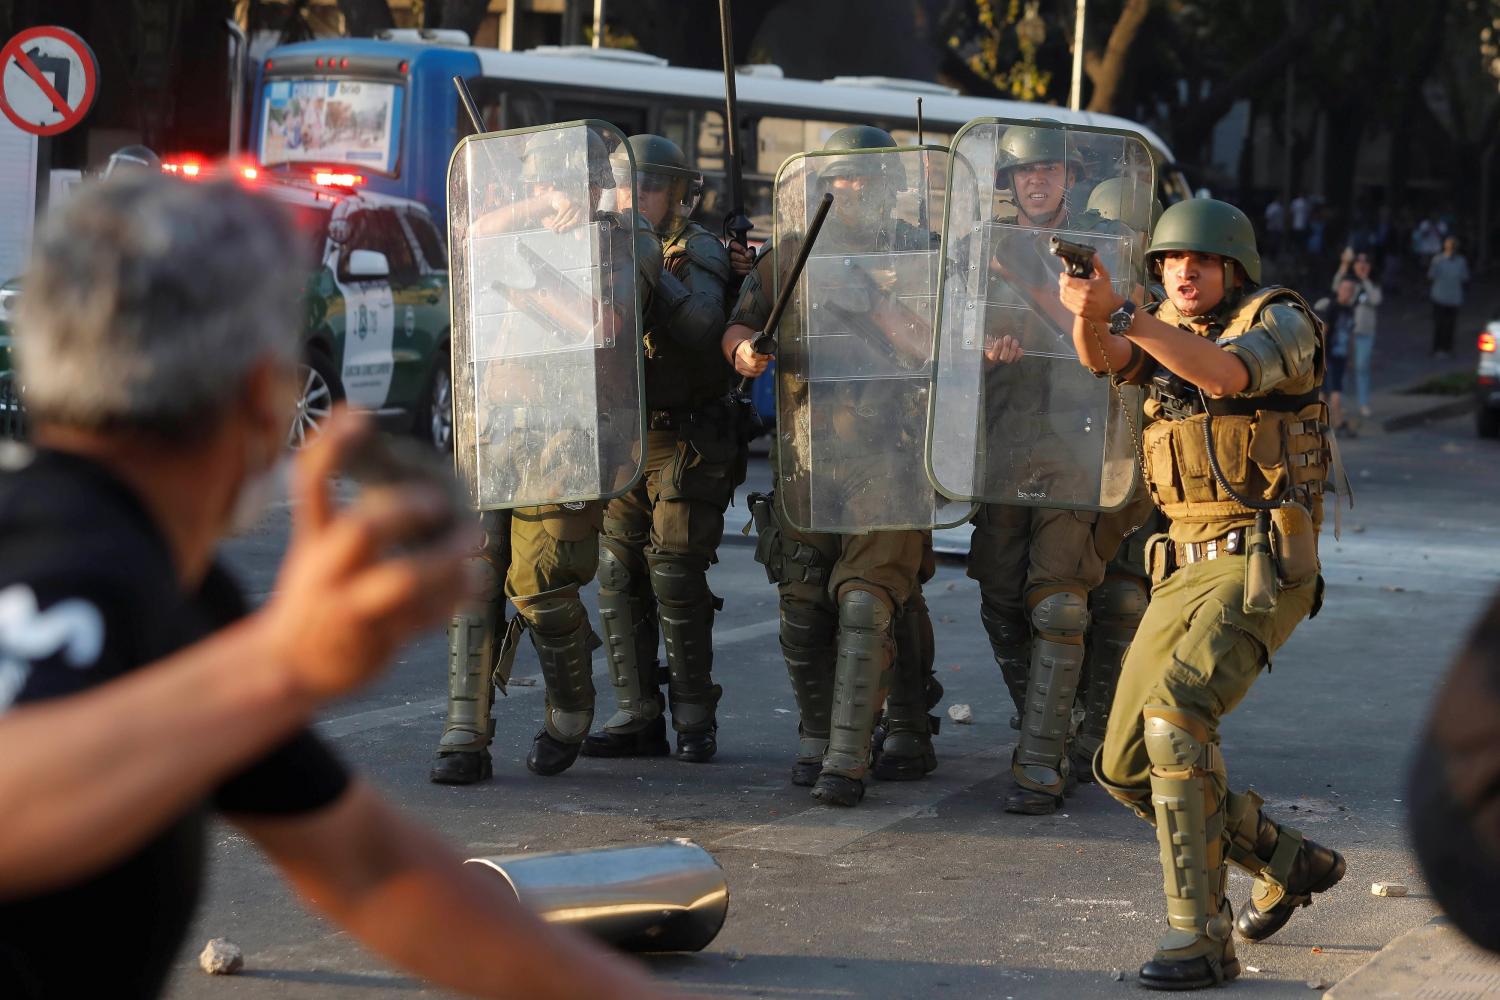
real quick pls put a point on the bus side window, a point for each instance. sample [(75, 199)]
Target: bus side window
[(700, 135), (507, 105)]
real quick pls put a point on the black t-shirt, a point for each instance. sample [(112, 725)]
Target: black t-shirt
[(88, 592)]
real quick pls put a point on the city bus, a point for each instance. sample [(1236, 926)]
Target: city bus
[(382, 114)]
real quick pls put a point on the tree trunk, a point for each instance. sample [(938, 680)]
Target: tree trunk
[(363, 18), (1105, 72), (461, 15)]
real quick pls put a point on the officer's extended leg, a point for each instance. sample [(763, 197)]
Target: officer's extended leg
[(1198, 949), (686, 609), (473, 634), (907, 753), (1115, 610), (564, 645), (627, 616), (1039, 762), (1288, 868), (861, 676)]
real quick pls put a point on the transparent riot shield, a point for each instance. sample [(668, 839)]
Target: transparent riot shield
[(855, 362), (1038, 430), (547, 365)]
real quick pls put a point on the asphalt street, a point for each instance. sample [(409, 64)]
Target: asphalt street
[(928, 888)]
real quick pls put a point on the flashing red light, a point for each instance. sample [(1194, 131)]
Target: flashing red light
[(318, 62), (249, 173), (190, 169), (268, 65), (402, 68), (1487, 342), (329, 178), (182, 168), (344, 63)]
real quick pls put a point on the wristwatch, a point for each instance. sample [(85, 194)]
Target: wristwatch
[(1121, 318)]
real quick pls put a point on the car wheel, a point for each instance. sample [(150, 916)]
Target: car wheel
[(1489, 422), (435, 415), (314, 405)]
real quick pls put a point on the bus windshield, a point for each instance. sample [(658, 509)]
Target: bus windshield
[(354, 122)]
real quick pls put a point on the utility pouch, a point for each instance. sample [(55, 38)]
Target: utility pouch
[(767, 534), (1294, 539), (1260, 568)]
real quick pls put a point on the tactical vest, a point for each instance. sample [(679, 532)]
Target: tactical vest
[(1268, 447), (678, 377)]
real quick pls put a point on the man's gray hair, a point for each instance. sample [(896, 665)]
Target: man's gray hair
[(148, 300)]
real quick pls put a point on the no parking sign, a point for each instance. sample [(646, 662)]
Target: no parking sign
[(48, 80)]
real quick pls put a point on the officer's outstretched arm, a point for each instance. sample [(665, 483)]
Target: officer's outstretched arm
[(407, 895), (1196, 359)]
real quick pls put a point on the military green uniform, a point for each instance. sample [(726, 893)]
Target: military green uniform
[(544, 555), (1200, 644), (1037, 566), (854, 625)]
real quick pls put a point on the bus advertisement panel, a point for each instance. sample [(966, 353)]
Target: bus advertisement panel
[(354, 122)]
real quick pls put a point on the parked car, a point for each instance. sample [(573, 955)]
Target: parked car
[(1487, 405)]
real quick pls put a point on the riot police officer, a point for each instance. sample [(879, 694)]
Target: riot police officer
[(850, 600), (1237, 453), (542, 554), (661, 536), (1036, 566)]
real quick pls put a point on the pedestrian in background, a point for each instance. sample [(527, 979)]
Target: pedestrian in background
[(1448, 273), (1338, 315), (1367, 300)]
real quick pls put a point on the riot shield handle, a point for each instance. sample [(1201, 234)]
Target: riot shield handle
[(765, 341)]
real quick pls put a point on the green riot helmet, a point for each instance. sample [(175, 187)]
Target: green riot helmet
[(1204, 225), (1125, 200), (553, 156), (1045, 201), (660, 165), (872, 202)]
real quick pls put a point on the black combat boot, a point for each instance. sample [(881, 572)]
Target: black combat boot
[(838, 790), (699, 747), (461, 767), (650, 741), (1315, 868), (550, 755)]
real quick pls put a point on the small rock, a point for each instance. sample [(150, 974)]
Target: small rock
[(961, 714), (1358, 529), (1391, 588), (1388, 889), (1316, 984), (1252, 968), (221, 957), (523, 682), (1117, 975)]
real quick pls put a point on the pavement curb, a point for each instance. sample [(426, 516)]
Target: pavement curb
[(1433, 960), (1454, 407)]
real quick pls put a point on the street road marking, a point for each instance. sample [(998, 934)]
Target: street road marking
[(822, 830)]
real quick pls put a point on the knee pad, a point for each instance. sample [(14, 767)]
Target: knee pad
[(806, 626), (614, 567), (678, 581), (863, 610), (1177, 738), (554, 616), (1118, 600), (1062, 616)]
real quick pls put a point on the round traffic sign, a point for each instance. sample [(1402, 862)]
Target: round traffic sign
[(48, 80)]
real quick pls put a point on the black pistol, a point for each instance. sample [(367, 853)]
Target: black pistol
[(1077, 258)]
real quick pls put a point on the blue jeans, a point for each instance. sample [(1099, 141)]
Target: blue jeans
[(1364, 347)]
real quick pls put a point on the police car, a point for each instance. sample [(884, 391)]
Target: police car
[(376, 331), (376, 327), (1488, 383)]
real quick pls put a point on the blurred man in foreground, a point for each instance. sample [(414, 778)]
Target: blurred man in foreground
[(158, 343)]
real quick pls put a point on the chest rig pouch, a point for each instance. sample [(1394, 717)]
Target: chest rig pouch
[(1265, 457)]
